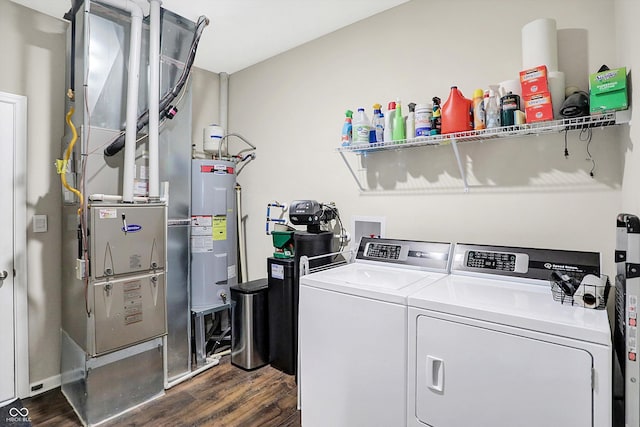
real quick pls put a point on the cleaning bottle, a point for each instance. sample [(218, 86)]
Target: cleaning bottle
[(411, 121), (436, 118), (388, 122), (347, 129), (455, 112), (478, 110), (492, 113), (377, 122), (361, 127), (398, 124)]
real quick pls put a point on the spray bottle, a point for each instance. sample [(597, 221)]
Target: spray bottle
[(398, 124), (492, 112), (388, 122), (411, 121), (377, 122), (347, 129)]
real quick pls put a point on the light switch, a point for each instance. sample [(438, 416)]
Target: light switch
[(39, 223)]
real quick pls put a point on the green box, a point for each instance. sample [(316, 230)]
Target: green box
[(608, 91)]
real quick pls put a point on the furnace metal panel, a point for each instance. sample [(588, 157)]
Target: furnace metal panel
[(116, 251), (100, 388), (178, 320), (128, 311)]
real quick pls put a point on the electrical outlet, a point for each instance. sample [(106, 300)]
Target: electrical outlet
[(39, 223)]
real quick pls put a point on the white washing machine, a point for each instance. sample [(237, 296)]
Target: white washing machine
[(490, 347), (353, 333)]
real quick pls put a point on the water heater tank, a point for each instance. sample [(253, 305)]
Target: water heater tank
[(213, 233)]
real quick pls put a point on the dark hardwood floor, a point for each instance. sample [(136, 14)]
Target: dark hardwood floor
[(223, 395)]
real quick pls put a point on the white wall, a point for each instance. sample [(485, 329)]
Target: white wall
[(291, 106), (205, 87), (627, 12), (33, 50)]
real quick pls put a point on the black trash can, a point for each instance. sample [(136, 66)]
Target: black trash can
[(249, 324)]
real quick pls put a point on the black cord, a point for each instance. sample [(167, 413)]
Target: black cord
[(566, 150), (589, 134)]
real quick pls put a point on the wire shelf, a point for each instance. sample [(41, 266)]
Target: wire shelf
[(454, 139), (600, 120)]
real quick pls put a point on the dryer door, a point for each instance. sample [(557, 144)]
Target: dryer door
[(500, 379)]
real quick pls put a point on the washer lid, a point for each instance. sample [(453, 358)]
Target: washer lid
[(384, 283), (516, 304)]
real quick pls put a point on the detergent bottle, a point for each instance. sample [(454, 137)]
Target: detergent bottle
[(455, 112), (347, 129), (436, 117), (361, 128)]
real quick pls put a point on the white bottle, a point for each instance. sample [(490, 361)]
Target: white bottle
[(388, 122), (410, 123), (492, 110), (361, 127)]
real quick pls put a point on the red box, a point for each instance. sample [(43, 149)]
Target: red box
[(538, 107), (534, 81)]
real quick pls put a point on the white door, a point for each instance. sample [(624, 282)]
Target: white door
[(12, 133)]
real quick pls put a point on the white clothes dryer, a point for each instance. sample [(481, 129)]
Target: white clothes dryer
[(490, 347), (353, 333)]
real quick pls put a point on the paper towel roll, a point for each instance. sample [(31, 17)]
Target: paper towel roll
[(590, 293), (556, 82), (540, 44)]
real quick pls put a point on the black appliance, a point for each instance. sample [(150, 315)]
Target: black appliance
[(283, 279)]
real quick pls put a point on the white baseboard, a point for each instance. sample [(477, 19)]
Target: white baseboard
[(42, 386)]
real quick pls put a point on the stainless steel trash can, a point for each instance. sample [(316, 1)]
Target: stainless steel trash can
[(249, 324)]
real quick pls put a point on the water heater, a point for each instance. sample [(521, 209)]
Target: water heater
[(213, 233)]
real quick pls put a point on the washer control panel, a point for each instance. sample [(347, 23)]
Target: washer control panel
[(384, 251), (526, 263), (411, 253), (497, 261)]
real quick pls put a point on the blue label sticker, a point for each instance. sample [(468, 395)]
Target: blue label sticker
[(132, 228)]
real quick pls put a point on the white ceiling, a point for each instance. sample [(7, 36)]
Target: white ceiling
[(245, 32)]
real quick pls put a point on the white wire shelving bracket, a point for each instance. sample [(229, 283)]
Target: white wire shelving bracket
[(453, 139)]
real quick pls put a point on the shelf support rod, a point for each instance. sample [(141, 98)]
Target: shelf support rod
[(454, 144), (351, 170)]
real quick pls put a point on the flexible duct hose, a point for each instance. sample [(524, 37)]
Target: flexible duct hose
[(165, 103), (62, 165)]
